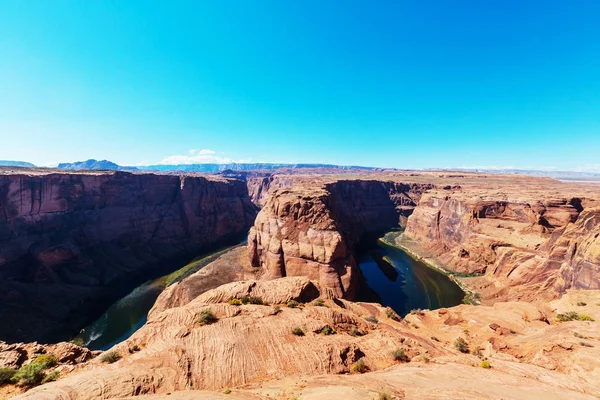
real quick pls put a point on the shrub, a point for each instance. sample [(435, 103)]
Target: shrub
[(298, 331), (319, 302), (581, 303), (359, 366), (372, 318), (485, 364), (355, 332), (235, 302), (392, 315), (110, 357), (461, 345), (227, 391), (293, 304), (134, 349), (572, 316), (276, 310), (579, 335), (45, 361), (6, 375), (207, 317), (400, 355), (77, 341), (51, 377), (327, 330), (385, 396), (252, 300), (30, 375)]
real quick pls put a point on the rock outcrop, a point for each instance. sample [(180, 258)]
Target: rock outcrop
[(312, 232), (68, 239), (525, 245), (253, 350)]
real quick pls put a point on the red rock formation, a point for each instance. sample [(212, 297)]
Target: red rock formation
[(524, 243), (312, 232), (66, 237)]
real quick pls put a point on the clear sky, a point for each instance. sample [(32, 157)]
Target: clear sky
[(408, 84)]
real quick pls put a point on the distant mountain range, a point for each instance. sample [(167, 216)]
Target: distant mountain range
[(212, 168), (95, 165), (216, 168), (6, 163), (560, 175)]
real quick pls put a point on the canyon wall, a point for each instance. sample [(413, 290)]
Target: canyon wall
[(527, 237), (528, 245), (67, 239), (311, 230)]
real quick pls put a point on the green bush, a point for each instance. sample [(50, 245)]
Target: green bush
[(385, 396), (327, 330), (227, 391), (293, 304), (372, 318), (400, 355), (573, 316), (235, 302), (46, 361), (485, 364), (77, 341), (276, 310), (206, 317), (110, 357), (461, 345), (33, 373), (298, 331), (319, 302), (359, 366), (51, 377), (392, 315), (29, 375), (252, 300), (6, 375)]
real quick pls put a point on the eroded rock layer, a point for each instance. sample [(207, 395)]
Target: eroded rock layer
[(304, 231), (526, 236), (525, 245), (67, 238)]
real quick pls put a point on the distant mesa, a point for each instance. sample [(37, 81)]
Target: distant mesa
[(94, 165), (7, 163), (213, 168)]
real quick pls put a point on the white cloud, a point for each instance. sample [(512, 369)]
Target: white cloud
[(588, 168), (204, 156)]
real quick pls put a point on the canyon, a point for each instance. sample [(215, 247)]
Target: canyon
[(527, 249), (67, 240), (504, 237)]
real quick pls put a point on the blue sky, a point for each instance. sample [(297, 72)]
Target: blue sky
[(408, 84)]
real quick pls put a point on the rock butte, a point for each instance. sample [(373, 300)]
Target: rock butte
[(529, 246)]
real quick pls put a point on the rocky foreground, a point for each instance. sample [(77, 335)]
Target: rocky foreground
[(318, 349)]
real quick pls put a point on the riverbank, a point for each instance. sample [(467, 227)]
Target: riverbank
[(398, 240)]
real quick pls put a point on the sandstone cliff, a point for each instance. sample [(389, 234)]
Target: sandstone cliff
[(68, 239), (525, 244), (312, 231)]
